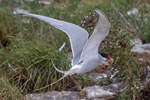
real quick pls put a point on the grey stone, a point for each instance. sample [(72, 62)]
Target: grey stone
[(138, 47), (136, 41), (92, 93), (145, 48), (54, 95), (97, 92), (97, 76), (115, 86)]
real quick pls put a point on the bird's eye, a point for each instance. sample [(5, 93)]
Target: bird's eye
[(105, 55)]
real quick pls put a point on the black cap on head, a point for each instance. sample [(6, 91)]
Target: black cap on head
[(103, 54)]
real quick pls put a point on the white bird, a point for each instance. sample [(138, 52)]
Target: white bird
[(85, 51)]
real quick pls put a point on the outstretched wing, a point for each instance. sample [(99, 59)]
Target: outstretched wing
[(100, 32), (77, 35)]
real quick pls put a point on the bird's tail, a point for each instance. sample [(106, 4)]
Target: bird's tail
[(58, 69), (65, 75)]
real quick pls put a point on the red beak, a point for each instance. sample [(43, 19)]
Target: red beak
[(109, 59)]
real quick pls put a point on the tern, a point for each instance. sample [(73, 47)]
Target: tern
[(86, 56)]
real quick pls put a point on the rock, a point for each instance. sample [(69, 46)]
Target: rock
[(136, 41), (145, 48), (142, 50), (109, 92), (94, 92), (54, 95), (99, 73), (97, 77), (103, 73), (87, 93), (115, 87)]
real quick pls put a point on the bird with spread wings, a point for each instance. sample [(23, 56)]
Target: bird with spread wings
[(86, 56)]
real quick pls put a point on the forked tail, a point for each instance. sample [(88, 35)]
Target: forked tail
[(58, 69), (65, 75)]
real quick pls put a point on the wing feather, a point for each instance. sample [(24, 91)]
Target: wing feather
[(77, 35), (100, 32)]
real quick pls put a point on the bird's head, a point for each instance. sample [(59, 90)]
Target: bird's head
[(107, 58)]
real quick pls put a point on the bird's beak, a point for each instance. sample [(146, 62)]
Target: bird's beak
[(110, 60)]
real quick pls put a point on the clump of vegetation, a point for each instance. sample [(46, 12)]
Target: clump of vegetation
[(26, 63)]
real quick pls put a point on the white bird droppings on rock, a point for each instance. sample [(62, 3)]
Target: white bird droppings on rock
[(54, 95), (97, 92), (145, 48)]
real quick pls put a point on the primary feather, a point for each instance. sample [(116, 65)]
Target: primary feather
[(77, 35), (100, 32)]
